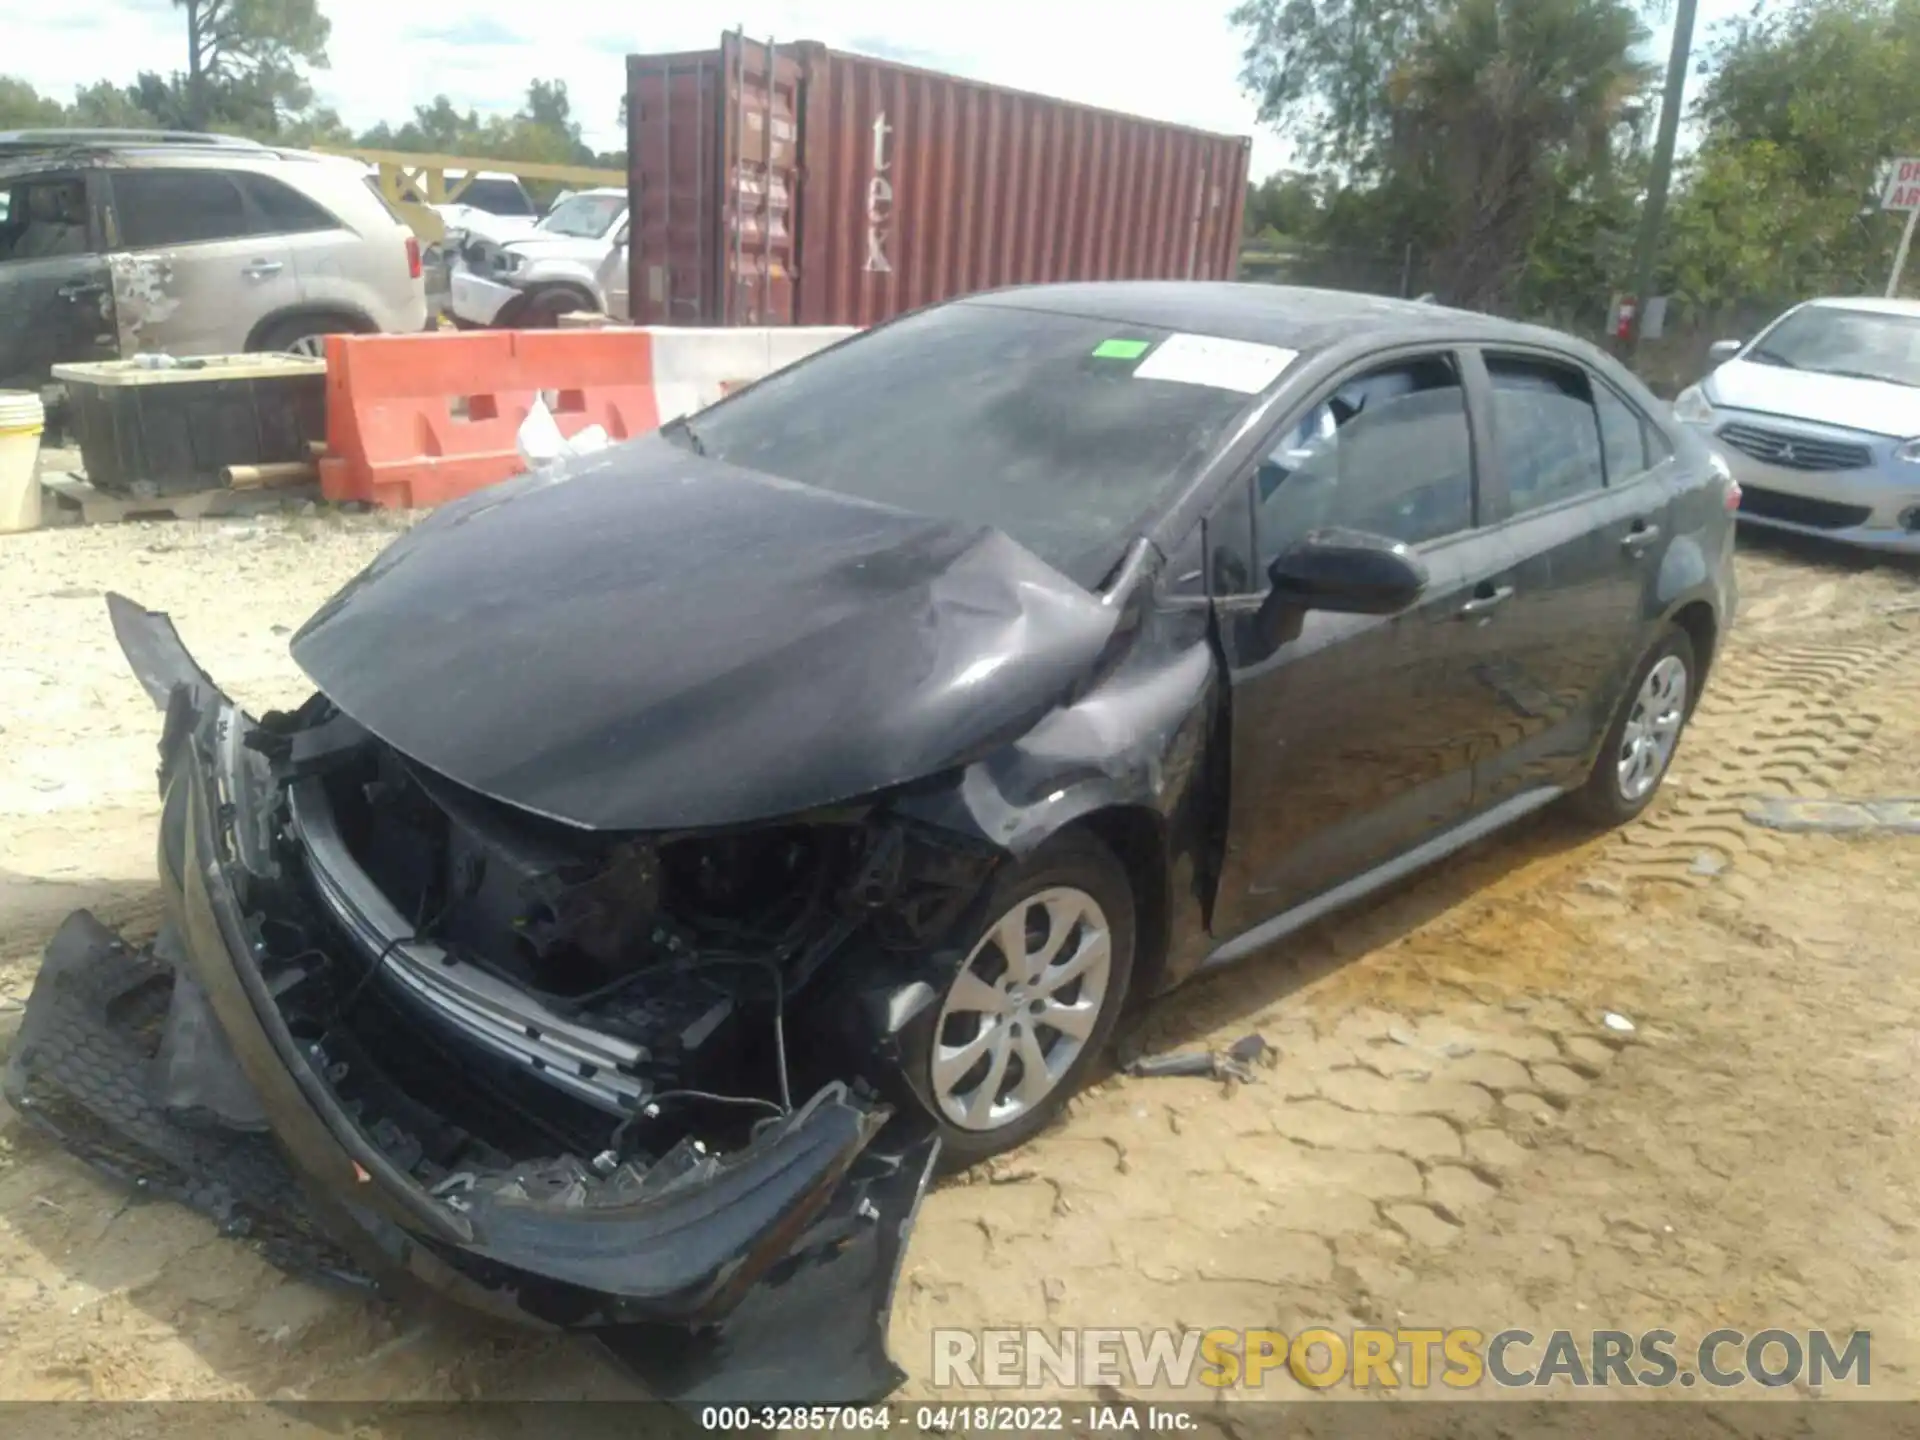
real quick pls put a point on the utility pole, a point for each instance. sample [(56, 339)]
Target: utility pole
[(1646, 251)]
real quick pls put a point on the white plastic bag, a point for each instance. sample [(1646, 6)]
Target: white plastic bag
[(540, 442)]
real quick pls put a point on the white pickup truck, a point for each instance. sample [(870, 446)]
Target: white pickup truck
[(574, 259)]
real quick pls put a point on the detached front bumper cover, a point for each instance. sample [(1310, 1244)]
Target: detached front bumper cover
[(766, 1276)]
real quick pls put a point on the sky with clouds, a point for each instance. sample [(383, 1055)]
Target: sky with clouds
[(1176, 60)]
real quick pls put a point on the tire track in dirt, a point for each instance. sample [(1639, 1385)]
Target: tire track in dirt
[(1779, 718)]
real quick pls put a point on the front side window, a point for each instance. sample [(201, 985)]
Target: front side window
[(1388, 453), (42, 217), (1547, 431), (1029, 421), (178, 207)]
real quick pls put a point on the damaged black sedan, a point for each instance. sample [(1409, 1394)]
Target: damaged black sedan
[(688, 845)]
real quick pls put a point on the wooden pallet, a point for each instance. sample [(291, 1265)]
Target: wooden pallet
[(69, 493)]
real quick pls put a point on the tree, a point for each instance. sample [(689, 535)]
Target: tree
[(1318, 69), (1803, 108), (104, 105), (1286, 202), (1454, 126), (245, 56), (24, 108), (1500, 102)]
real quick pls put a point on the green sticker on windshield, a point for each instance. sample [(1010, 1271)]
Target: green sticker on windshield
[(1121, 349)]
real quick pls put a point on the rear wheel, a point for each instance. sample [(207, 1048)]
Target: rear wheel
[(1026, 1015), (1640, 745), (303, 334)]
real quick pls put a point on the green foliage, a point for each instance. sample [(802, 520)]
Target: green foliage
[(1485, 134), (24, 108), (1804, 108), (543, 130), (1287, 203), (246, 63)]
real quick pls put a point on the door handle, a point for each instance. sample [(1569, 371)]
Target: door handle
[(1481, 605), (1639, 537), (263, 269), (81, 289)]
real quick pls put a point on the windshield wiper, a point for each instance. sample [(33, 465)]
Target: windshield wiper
[(1770, 357), (683, 428)]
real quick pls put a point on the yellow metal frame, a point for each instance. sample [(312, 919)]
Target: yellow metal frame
[(414, 183)]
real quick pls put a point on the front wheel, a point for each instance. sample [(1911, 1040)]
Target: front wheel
[(544, 308), (1029, 1010), (1640, 745)]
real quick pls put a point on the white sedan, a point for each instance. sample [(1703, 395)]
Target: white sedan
[(1819, 418)]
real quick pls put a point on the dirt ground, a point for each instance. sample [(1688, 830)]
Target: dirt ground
[(1450, 1136)]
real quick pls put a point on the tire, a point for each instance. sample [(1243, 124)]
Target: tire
[(1073, 878), (1613, 796), (544, 308), (303, 334)]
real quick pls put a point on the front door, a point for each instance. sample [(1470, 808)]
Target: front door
[(56, 297), (1354, 737), (1584, 522), (196, 276)]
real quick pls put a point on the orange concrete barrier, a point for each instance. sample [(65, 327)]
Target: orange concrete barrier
[(422, 419)]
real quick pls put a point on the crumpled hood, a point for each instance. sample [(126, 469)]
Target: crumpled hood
[(485, 224), (1874, 406), (649, 640)]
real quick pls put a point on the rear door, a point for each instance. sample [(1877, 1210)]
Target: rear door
[(1584, 515), (1354, 736), (56, 297), (199, 276)]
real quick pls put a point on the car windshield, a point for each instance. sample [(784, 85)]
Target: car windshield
[(584, 217), (1836, 340), (1056, 429)]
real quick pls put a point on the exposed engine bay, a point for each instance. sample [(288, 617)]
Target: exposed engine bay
[(636, 993)]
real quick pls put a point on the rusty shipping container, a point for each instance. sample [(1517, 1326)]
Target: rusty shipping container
[(792, 184)]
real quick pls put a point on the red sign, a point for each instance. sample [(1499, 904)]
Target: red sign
[(1903, 185)]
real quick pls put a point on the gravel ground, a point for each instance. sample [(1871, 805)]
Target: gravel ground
[(1450, 1135)]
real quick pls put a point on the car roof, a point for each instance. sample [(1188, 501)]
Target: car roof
[(1297, 317), (25, 151)]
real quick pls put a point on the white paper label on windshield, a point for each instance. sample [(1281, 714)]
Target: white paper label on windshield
[(1222, 364)]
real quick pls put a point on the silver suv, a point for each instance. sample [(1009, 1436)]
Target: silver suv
[(118, 242)]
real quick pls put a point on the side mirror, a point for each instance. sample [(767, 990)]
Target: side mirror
[(1349, 572), (1722, 351), (621, 237)]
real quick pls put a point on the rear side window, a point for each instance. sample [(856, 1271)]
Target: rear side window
[(281, 209), (1623, 436), (1547, 430), (178, 207), (1388, 453)]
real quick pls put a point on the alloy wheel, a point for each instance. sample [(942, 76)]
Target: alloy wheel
[(1022, 1009), (1653, 728)]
